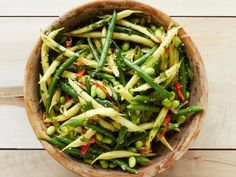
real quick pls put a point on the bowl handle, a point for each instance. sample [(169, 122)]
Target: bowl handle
[(12, 96)]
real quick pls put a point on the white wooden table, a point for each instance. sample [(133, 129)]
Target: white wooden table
[(212, 25)]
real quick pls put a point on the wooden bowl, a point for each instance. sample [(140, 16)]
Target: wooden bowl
[(180, 142)]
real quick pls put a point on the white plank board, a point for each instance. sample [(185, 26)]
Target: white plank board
[(15, 129), (217, 49), (38, 163), (18, 38), (213, 37), (174, 8)]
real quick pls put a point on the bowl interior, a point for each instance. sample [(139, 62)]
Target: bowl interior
[(180, 142)]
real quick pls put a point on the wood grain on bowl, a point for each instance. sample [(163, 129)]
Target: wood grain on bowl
[(180, 142)]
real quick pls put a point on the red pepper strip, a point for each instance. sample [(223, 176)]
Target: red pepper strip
[(82, 83), (167, 124), (103, 89), (80, 73), (179, 92), (85, 147), (69, 42)]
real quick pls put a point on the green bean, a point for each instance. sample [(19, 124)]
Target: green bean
[(142, 21), (87, 83), (91, 26), (122, 74), (183, 77), (67, 114), (189, 110), (141, 107), (114, 95), (55, 99), (156, 55), (135, 20), (142, 160), (120, 15), (93, 50), (171, 127), (163, 92), (101, 130), (53, 142), (153, 28), (107, 42), (84, 53), (104, 76), (133, 149), (124, 166), (137, 137), (142, 59), (138, 28), (64, 139), (138, 53), (105, 103), (120, 36), (57, 47), (144, 98), (72, 123), (43, 91), (45, 52), (177, 42), (69, 75), (172, 98), (60, 145), (156, 126), (107, 125), (95, 150), (55, 81), (145, 116), (126, 30), (68, 89), (98, 45), (121, 137), (72, 151), (67, 141), (103, 146), (190, 73), (164, 61)]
